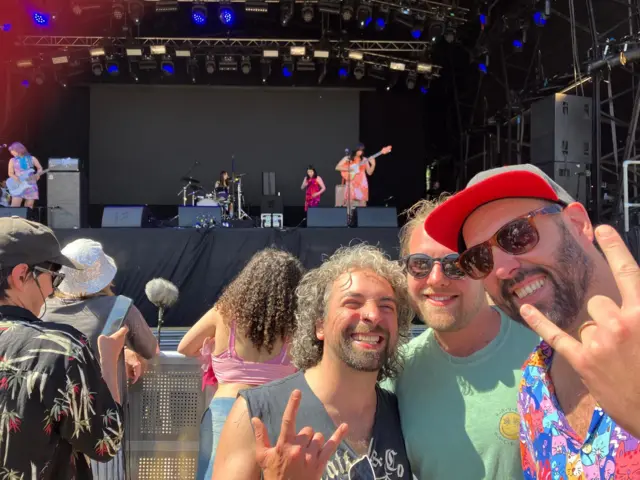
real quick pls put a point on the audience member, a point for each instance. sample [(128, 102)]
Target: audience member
[(461, 375), (56, 407), (251, 326), (352, 313), (533, 247)]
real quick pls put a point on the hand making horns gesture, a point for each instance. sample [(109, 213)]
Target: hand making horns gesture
[(607, 357), (295, 457)]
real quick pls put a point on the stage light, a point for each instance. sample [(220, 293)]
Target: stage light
[(343, 71), (39, 78), (483, 19), (307, 12), (347, 12), (416, 31), (25, 83), (96, 67), (113, 68), (517, 45), (287, 67), (167, 67), (286, 71), (363, 16), (117, 10), (286, 12), (245, 65), (6, 27), (210, 64), (539, 19), (199, 14), (136, 11), (482, 67), (225, 13), (41, 19), (412, 78), (382, 18), (358, 71), (424, 90)]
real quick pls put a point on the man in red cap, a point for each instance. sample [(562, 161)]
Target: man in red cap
[(533, 247)]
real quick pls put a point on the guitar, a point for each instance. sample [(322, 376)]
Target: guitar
[(25, 180), (355, 168)]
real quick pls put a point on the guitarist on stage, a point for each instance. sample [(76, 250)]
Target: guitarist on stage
[(24, 173), (354, 170)]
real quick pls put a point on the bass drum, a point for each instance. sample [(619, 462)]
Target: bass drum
[(207, 202)]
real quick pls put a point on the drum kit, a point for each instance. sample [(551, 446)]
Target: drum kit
[(229, 199)]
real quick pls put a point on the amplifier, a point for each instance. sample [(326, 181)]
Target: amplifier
[(120, 216), (64, 165), (271, 220)]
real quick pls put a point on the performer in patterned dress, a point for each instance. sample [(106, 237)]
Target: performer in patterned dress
[(21, 163), (315, 188), (354, 172)]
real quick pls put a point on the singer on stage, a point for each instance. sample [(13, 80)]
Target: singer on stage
[(315, 188), (20, 166), (354, 169)]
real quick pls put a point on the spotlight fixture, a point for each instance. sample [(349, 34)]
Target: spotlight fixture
[(382, 18), (256, 6), (358, 71), (307, 12), (117, 10), (96, 67), (343, 70), (210, 64), (167, 66), (199, 14), (517, 45), (363, 16), (286, 12), (136, 11), (113, 67), (287, 67), (226, 15), (245, 65), (41, 19), (347, 11), (412, 78)]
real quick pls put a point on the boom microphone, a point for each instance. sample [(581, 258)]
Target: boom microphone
[(163, 294)]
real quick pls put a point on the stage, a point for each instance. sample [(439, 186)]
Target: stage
[(202, 262)]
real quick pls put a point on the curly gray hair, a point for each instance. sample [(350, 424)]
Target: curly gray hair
[(314, 291)]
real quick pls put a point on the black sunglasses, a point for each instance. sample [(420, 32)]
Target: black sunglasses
[(419, 265), (517, 237), (56, 277)]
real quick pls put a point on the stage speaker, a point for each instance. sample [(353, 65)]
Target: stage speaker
[(192, 216), (269, 183), (64, 196), (377, 217), (271, 204), (125, 216), (561, 130), (327, 217), (575, 178), (13, 212)]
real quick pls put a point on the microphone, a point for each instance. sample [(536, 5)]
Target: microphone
[(164, 295)]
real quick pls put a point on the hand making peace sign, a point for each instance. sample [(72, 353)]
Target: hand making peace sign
[(295, 457), (607, 357)]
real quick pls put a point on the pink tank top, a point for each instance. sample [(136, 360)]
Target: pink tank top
[(230, 368)]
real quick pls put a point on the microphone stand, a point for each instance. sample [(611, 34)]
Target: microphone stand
[(160, 323)]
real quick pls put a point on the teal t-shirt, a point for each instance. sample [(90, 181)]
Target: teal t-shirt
[(459, 415)]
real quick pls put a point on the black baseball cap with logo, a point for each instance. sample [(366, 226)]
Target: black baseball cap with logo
[(31, 243)]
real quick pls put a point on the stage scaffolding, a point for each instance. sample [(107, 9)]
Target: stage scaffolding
[(605, 72)]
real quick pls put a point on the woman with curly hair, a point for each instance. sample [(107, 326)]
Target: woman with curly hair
[(251, 326)]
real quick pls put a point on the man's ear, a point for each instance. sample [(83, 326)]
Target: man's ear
[(19, 275), (320, 330), (578, 219)]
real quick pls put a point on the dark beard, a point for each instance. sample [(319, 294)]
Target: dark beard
[(362, 361), (570, 280)]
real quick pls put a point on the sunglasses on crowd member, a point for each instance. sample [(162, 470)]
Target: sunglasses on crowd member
[(56, 277), (517, 237), (419, 265)]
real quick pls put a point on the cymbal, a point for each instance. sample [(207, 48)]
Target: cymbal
[(190, 180)]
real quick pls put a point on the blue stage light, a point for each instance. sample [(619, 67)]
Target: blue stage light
[(517, 44), (6, 27), (482, 67), (198, 18), (41, 19), (343, 72), (226, 15), (114, 69), (424, 90), (539, 19), (286, 72), (25, 83), (168, 68), (380, 23), (416, 33), (483, 19)]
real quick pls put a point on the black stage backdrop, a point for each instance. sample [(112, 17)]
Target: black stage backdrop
[(202, 262)]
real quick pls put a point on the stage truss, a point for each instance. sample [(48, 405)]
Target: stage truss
[(605, 72)]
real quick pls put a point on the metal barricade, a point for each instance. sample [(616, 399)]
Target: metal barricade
[(165, 409)]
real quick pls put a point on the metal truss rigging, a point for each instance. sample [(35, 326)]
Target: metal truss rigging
[(65, 42)]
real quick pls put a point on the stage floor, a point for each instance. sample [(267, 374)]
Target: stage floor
[(202, 262)]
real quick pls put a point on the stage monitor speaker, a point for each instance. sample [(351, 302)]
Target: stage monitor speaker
[(269, 183), (125, 216), (561, 130), (575, 178), (327, 217), (377, 217), (192, 216), (13, 212), (271, 204), (64, 196)]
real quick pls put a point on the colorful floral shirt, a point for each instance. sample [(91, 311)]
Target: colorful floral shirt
[(551, 449), (54, 405)]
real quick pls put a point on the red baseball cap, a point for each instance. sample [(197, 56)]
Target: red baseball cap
[(444, 224)]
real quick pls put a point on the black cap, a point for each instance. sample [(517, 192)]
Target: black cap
[(23, 241)]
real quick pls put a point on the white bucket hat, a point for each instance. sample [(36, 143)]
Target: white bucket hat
[(99, 268)]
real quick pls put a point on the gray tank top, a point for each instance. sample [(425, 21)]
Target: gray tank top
[(387, 457)]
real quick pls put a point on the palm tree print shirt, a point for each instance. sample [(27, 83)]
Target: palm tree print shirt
[(55, 408)]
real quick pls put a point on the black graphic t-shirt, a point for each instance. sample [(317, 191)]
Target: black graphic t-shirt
[(386, 458)]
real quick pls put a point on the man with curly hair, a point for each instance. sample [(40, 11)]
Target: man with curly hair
[(353, 312), (460, 376)]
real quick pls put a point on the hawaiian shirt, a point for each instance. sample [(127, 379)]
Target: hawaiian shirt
[(55, 408), (551, 449)]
